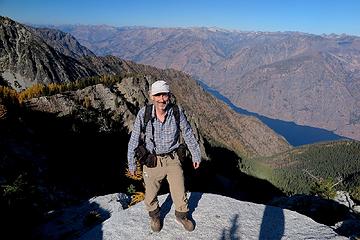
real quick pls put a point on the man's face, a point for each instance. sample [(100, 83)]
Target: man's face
[(161, 100)]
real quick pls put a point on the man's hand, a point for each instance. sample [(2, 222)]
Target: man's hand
[(196, 165)]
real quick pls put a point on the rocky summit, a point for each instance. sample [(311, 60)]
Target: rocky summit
[(215, 217)]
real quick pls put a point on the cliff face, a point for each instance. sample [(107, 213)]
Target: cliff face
[(27, 59), (309, 79), (62, 42)]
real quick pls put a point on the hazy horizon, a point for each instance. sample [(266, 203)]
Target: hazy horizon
[(314, 17)]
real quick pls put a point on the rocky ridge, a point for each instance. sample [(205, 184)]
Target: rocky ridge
[(309, 79), (27, 59), (63, 42), (243, 133), (231, 219)]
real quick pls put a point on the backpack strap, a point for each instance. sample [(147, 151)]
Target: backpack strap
[(147, 116), (176, 115)]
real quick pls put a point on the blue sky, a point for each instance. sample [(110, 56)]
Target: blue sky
[(310, 16)]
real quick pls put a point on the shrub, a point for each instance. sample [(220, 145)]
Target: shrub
[(136, 198), (16, 191), (355, 193), (131, 189), (324, 188)]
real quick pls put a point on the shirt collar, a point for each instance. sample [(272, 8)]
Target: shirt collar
[(168, 109)]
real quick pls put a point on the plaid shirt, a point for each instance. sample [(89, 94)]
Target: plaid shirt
[(166, 135)]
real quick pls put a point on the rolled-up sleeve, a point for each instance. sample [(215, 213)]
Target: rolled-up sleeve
[(189, 138)]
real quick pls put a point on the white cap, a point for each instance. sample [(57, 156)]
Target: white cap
[(159, 87)]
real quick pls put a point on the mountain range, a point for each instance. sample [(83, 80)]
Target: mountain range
[(36, 55), (66, 112), (40, 59), (308, 79)]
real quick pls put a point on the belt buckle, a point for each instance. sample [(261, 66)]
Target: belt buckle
[(170, 154)]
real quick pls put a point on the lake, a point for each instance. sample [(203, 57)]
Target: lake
[(295, 134)]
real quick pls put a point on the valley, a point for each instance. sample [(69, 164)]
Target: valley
[(64, 131), (295, 134)]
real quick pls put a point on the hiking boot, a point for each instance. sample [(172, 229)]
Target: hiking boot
[(187, 224), (155, 224)]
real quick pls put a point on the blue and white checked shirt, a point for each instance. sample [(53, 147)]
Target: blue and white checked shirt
[(166, 135)]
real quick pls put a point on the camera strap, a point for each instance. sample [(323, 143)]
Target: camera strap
[(152, 134)]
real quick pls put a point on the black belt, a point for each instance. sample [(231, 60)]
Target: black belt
[(170, 154)]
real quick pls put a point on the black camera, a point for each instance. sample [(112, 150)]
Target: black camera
[(151, 161), (145, 157), (141, 154), (181, 152)]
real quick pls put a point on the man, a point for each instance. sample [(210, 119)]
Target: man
[(162, 139)]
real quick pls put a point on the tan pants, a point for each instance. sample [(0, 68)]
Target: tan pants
[(171, 170)]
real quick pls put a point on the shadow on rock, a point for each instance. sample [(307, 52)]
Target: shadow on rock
[(273, 224), (73, 222), (328, 212), (193, 204), (232, 232)]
